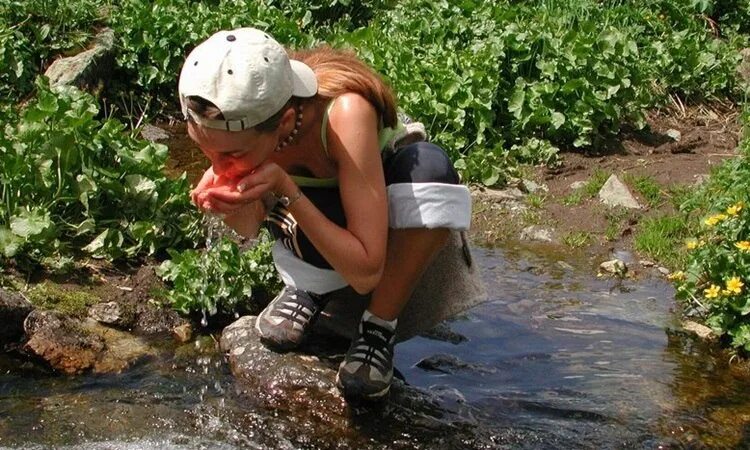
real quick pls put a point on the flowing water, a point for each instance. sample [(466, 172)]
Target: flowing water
[(557, 358)]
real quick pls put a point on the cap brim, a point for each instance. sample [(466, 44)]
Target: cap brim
[(304, 80)]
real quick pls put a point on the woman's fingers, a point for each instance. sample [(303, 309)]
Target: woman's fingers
[(206, 181), (249, 194), (215, 206)]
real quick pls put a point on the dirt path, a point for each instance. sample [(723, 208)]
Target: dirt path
[(651, 157)]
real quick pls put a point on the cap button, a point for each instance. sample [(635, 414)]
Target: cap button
[(231, 38)]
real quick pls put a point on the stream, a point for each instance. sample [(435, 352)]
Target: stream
[(557, 358)]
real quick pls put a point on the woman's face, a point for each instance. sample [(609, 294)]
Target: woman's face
[(233, 154)]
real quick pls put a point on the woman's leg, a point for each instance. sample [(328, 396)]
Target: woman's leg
[(423, 199), (410, 251)]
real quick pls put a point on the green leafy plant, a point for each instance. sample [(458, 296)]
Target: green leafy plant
[(69, 182), (714, 282), (219, 279)]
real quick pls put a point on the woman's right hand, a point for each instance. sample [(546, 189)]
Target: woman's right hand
[(198, 194), (211, 193)]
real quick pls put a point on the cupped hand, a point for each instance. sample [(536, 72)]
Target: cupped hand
[(268, 178)]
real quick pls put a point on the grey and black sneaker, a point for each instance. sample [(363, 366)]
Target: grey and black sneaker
[(285, 322), (367, 369)]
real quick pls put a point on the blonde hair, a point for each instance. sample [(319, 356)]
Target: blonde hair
[(341, 71)]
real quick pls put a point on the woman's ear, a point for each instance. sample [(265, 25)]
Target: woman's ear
[(286, 124)]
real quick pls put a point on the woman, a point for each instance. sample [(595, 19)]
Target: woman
[(314, 148)]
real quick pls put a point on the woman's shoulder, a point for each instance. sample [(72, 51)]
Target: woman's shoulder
[(351, 108)]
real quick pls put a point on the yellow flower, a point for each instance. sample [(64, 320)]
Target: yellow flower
[(743, 245), (692, 244), (734, 285), (735, 209), (676, 276), (712, 292), (713, 220)]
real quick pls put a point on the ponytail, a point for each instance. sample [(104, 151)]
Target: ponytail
[(340, 71)]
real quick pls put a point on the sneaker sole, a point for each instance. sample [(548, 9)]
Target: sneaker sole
[(374, 396)]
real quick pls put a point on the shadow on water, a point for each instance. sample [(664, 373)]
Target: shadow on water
[(555, 359)]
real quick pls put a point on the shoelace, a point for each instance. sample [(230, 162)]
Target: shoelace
[(373, 346)]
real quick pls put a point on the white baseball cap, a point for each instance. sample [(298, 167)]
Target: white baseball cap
[(246, 74)]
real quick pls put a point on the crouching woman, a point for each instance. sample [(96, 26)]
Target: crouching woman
[(313, 147)]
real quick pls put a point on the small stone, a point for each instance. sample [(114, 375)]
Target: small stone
[(153, 134), (615, 193), (614, 266), (536, 233), (700, 179), (504, 195), (109, 312), (646, 263), (183, 333), (674, 134), (699, 330), (664, 271), (532, 187), (577, 185)]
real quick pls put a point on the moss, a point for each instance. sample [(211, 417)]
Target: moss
[(70, 302)]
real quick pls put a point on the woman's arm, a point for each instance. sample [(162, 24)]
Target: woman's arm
[(358, 251)]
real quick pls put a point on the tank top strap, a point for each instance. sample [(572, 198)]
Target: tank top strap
[(324, 127)]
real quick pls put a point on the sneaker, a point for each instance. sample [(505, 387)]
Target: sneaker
[(367, 369), (284, 323)]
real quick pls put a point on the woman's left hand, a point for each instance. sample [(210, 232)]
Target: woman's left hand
[(266, 178)]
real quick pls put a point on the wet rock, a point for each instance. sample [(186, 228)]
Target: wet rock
[(120, 350), (699, 330), (293, 381), (86, 68), (443, 333), (615, 193), (153, 134), (73, 347), (625, 256), (450, 364), (13, 311), (113, 313), (61, 342), (183, 333), (615, 266), (536, 233)]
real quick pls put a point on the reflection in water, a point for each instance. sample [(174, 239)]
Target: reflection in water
[(555, 359)]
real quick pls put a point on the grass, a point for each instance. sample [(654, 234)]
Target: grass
[(577, 239), (614, 223), (536, 201), (647, 187), (661, 238), (588, 190)]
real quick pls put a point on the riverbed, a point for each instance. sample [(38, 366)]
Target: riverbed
[(556, 358)]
